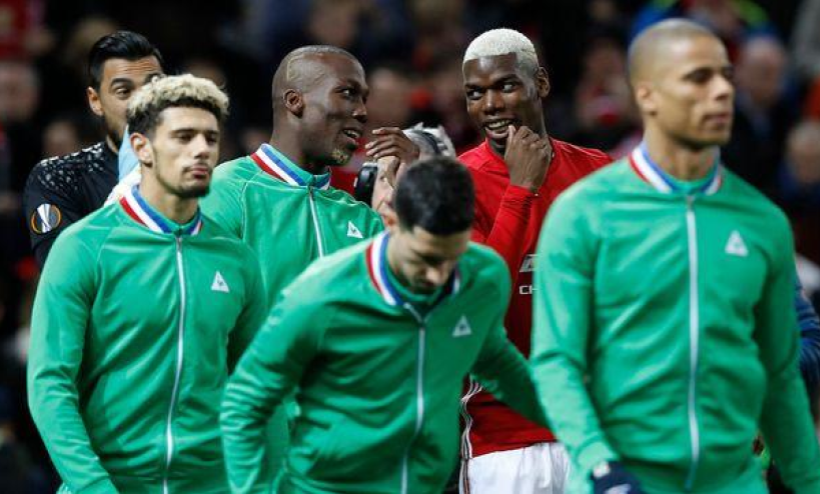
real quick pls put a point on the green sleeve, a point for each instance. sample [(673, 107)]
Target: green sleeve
[(562, 306), (786, 420), (253, 313), (268, 370), (500, 368), (59, 321), (224, 204)]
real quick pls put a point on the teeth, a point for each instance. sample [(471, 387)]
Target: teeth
[(501, 124), (353, 134)]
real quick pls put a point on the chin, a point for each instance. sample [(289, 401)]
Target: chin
[(340, 157), (194, 192)]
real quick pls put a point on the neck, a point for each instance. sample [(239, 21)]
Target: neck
[(110, 143), (173, 207), (680, 161), (290, 148), (393, 263)]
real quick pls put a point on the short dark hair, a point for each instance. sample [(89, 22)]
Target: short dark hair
[(437, 195), (121, 44)]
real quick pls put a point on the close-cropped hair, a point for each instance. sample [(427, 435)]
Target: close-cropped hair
[(127, 45), (496, 42), (437, 195), (187, 91)]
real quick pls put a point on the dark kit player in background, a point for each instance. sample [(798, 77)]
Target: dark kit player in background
[(62, 190)]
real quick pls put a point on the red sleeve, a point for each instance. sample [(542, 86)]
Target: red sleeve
[(508, 229)]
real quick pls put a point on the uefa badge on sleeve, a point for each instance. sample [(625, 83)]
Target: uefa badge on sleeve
[(45, 218)]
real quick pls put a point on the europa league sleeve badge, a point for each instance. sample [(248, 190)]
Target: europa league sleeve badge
[(45, 218)]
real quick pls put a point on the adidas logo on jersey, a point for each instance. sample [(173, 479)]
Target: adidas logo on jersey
[(462, 328), (219, 284), (352, 231), (735, 246), (528, 265)]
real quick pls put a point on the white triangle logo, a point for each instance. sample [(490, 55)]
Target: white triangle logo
[(462, 328), (219, 284), (352, 231), (736, 246)]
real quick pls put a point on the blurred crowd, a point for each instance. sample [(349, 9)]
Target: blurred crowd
[(412, 52)]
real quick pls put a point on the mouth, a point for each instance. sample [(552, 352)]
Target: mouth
[(497, 129), (199, 172), (354, 135)]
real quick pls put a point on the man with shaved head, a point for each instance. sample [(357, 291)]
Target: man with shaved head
[(279, 200), (665, 332)]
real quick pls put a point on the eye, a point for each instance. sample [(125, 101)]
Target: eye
[(212, 139), (509, 87), (122, 92), (473, 94)]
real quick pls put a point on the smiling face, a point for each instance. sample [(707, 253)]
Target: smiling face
[(182, 152), (501, 92), (121, 78), (332, 122), (687, 93)]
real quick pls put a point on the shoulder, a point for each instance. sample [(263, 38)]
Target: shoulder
[(581, 156), (332, 276), (61, 172), (91, 232), (476, 158), (242, 168), (743, 194), (484, 261)]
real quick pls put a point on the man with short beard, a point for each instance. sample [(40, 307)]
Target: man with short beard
[(143, 309), (279, 200), (62, 190)]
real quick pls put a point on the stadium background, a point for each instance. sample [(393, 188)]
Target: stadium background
[(411, 50)]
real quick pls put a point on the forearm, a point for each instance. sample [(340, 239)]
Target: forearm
[(789, 432), (509, 227), (54, 407)]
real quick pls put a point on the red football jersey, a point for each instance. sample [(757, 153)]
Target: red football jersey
[(509, 219)]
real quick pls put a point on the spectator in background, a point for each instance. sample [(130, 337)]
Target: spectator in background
[(731, 20), (604, 109), (19, 102), (799, 187), (68, 134), (763, 113), (805, 42)]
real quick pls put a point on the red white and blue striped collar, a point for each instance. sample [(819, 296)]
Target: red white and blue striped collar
[(376, 256), (279, 166), (140, 211), (652, 174)]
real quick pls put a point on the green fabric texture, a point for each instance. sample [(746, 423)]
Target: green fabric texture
[(378, 395), (665, 334), (108, 333)]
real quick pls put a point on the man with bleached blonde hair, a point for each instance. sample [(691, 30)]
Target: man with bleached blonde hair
[(143, 309)]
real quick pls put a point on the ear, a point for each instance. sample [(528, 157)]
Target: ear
[(142, 149), (542, 82), (294, 102), (391, 221), (645, 98), (94, 101)]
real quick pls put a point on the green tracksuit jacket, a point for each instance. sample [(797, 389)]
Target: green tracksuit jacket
[(136, 324), (287, 216), (665, 332), (377, 383)]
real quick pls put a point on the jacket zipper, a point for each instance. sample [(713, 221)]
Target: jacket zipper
[(315, 221), (419, 398), (694, 336), (169, 438)]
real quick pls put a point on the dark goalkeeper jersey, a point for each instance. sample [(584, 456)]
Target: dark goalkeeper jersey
[(62, 190)]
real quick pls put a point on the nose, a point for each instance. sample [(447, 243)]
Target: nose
[(493, 101), (360, 111), (437, 275), (201, 147), (723, 88)]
